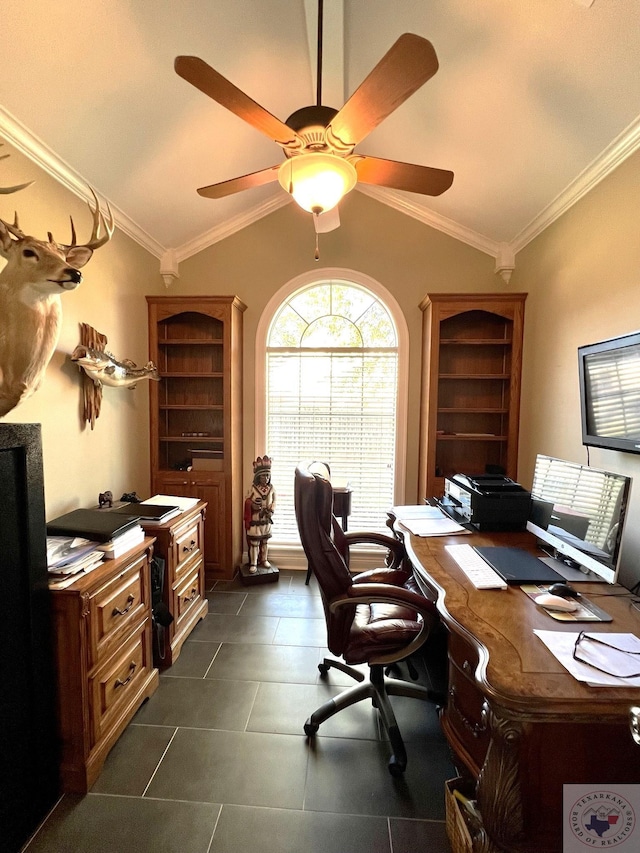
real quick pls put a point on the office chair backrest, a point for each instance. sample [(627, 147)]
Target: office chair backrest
[(313, 499)]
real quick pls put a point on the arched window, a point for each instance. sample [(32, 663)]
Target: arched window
[(331, 393)]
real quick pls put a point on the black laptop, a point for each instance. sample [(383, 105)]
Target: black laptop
[(517, 566)]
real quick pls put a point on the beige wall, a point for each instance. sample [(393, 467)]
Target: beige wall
[(405, 256), (583, 279), (80, 463)]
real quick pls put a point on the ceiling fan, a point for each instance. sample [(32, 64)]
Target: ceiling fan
[(319, 141)]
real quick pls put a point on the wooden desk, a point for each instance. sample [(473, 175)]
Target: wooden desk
[(520, 724)]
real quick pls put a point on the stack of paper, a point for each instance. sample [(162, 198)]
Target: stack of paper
[(69, 555), (122, 543), (427, 521)]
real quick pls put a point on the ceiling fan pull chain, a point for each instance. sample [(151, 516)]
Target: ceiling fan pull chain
[(316, 254)]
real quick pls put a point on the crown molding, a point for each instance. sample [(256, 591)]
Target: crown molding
[(622, 147), (405, 205), (231, 226), (35, 149)]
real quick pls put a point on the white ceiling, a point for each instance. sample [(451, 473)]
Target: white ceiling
[(534, 102)]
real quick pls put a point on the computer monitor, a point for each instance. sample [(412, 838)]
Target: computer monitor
[(609, 374), (577, 513)]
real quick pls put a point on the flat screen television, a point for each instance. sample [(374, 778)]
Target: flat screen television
[(577, 513), (610, 393)]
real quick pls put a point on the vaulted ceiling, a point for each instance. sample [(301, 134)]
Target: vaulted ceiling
[(533, 103)]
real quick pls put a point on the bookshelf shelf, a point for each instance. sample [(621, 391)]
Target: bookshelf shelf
[(196, 343), (470, 403)]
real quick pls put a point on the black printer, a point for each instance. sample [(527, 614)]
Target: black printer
[(487, 501)]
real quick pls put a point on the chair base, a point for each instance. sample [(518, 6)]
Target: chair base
[(378, 688)]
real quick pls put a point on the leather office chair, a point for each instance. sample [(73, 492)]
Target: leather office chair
[(378, 617), (396, 555)]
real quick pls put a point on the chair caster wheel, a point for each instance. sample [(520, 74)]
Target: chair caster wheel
[(396, 768), (323, 669), (310, 729)]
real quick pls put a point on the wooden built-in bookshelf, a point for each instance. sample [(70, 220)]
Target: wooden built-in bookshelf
[(471, 374), (196, 415)]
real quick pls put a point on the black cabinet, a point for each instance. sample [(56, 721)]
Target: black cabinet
[(29, 756)]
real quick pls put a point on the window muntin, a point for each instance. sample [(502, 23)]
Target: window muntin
[(332, 380)]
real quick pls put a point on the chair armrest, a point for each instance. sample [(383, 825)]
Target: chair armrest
[(382, 593), (396, 577), (395, 548)]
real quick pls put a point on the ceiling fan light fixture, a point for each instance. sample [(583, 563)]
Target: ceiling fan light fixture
[(317, 181)]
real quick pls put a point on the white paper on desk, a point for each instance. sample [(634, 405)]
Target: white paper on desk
[(561, 645), (416, 511), (443, 526)]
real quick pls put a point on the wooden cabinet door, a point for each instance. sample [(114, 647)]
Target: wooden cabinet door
[(212, 490)]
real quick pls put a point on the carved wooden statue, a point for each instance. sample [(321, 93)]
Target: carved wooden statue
[(259, 507), (36, 274)]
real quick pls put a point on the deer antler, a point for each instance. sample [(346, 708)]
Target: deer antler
[(7, 190), (15, 228), (99, 222)]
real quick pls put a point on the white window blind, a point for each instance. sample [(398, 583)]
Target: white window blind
[(614, 379), (586, 491), (332, 376)]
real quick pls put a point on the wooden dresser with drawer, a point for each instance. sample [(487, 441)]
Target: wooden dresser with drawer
[(179, 542), (103, 653)]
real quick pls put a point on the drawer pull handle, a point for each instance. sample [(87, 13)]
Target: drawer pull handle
[(192, 597), (476, 729), (132, 669), (190, 546), (118, 612)]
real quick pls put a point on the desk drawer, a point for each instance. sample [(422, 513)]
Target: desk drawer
[(464, 714), (115, 608), (187, 546), (115, 684), (186, 594), (463, 654)]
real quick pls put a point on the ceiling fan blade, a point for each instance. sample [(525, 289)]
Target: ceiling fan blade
[(409, 63), (328, 221), (236, 185), (403, 176), (212, 83)]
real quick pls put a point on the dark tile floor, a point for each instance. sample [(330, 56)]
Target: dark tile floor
[(217, 762)]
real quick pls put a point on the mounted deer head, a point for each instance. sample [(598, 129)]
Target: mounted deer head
[(35, 275)]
